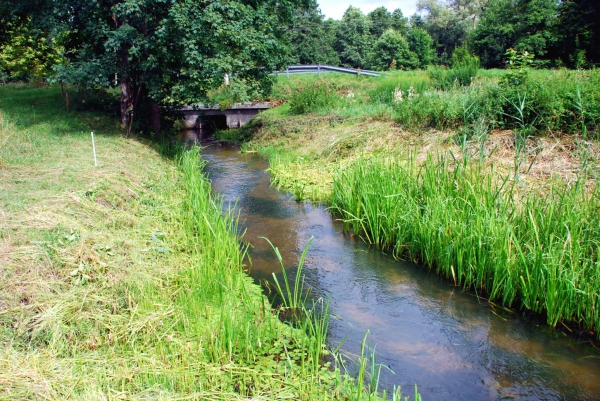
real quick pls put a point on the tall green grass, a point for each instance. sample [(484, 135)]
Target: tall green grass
[(555, 101), (538, 251), (313, 97)]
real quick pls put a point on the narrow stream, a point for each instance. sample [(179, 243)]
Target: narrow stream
[(423, 329)]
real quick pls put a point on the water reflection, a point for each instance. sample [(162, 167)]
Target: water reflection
[(426, 331)]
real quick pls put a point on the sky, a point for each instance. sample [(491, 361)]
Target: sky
[(335, 8)]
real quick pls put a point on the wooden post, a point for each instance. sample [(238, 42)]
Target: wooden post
[(94, 147)]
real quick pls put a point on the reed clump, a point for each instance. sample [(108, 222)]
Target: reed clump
[(535, 250)]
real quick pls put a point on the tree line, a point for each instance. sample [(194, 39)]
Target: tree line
[(162, 54), (559, 34), (159, 54)]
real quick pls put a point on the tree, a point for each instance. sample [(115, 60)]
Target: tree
[(420, 43), (399, 21), (416, 21), (391, 51), (578, 31), (468, 11), (450, 22), (381, 20), (166, 53), (25, 54), (520, 24), (354, 38), (312, 38)]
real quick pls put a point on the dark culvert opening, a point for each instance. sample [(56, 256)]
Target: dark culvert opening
[(214, 122)]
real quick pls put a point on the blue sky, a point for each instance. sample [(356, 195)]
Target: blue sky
[(335, 8)]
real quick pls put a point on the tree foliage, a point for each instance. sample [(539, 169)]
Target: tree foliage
[(578, 32), (311, 38), (381, 21), (526, 25), (391, 51), (354, 38), (27, 54), (444, 25), (399, 21), (420, 43)]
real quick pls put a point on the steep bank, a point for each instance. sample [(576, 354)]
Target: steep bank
[(125, 280)]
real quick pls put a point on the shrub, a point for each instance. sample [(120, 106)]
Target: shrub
[(314, 97), (464, 69)]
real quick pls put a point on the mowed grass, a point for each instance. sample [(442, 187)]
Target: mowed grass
[(126, 281)]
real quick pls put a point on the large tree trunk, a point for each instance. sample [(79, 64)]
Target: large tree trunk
[(155, 118), (126, 103)]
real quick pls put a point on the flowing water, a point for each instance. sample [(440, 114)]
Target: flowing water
[(424, 330)]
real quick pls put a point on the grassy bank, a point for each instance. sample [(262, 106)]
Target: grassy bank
[(494, 184), (126, 280)]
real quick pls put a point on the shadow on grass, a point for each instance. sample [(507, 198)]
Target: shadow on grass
[(45, 109)]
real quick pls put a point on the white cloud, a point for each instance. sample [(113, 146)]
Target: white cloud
[(335, 9)]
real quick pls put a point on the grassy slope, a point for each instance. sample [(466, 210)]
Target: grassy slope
[(357, 145), (125, 281)]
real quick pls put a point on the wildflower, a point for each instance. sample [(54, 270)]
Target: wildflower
[(397, 95), (411, 92)]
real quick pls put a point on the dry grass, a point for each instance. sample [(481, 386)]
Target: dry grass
[(305, 150)]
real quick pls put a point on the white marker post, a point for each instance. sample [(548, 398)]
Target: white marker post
[(94, 147)]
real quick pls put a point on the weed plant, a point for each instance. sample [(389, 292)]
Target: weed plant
[(537, 250), (462, 73), (312, 98)]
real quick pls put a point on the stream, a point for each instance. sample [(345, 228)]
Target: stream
[(423, 329)]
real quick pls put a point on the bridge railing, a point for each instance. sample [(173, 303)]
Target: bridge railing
[(318, 69)]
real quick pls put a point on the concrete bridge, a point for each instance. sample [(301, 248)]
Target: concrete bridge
[(232, 117)]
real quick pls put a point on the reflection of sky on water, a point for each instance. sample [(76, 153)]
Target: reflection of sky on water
[(423, 329)]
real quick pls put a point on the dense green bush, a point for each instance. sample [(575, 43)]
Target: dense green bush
[(465, 68), (560, 101), (313, 97)]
